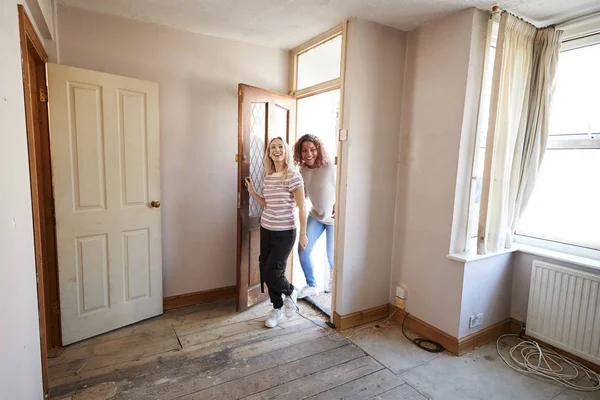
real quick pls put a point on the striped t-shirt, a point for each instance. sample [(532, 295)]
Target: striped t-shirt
[(279, 215)]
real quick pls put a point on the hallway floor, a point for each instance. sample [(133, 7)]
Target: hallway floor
[(210, 352)]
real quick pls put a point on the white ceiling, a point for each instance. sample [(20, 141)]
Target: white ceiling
[(288, 23)]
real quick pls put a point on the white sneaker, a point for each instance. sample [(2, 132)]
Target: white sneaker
[(308, 291), (289, 304), (273, 318)]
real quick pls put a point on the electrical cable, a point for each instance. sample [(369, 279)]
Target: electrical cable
[(536, 359), (423, 343)]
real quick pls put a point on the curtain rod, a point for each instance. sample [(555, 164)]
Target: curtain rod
[(497, 11)]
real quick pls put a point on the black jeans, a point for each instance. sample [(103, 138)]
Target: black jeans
[(275, 248)]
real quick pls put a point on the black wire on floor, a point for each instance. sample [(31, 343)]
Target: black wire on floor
[(423, 343)]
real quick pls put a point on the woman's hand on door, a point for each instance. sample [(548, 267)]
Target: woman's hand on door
[(249, 185)]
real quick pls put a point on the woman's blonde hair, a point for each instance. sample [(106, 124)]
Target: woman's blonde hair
[(289, 159)]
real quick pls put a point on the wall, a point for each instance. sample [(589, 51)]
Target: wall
[(20, 359), (372, 101), (439, 107), (42, 13), (521, 279), (487, 289), (198, 77)]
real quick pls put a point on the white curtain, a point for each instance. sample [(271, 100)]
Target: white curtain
[(522, 89)]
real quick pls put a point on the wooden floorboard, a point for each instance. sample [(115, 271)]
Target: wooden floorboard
[(171, 361), (319, 382), (211, 352), (223, 367), (279, 375)]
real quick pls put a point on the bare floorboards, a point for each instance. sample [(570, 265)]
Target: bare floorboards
[(212, 352)]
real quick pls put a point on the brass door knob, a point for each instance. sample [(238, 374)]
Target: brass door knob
[(155, 203)]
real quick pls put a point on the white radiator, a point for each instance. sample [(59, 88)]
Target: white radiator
[(564, 309)]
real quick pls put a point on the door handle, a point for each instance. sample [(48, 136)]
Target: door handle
[(155, 204)]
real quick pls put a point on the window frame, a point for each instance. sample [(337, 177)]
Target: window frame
[(321, 87), (480, 134)]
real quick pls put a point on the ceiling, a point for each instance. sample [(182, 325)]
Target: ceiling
[(288, 23)]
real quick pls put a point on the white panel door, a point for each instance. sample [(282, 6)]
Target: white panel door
[(104, 136)]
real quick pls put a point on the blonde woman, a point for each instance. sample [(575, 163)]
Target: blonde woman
[(283, 191)]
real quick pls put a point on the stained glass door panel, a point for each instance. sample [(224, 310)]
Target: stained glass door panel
[(258, 126)]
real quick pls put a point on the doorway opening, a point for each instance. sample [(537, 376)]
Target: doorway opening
[(314, 105), (316, 82)]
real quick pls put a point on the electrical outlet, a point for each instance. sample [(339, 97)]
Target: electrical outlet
[(476, 320)]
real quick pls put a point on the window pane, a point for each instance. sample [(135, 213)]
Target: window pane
[(258, 113), (280, 123), (474, 211), (564, 206), (486, 96), (320, 64), (318, 115), (478, 171), (576, 104)]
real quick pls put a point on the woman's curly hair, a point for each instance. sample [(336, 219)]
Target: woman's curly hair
[(322, 155)]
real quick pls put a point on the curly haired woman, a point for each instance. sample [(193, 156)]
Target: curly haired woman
[(318, 172)]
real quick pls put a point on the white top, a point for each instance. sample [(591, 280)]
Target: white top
[(319, 184)]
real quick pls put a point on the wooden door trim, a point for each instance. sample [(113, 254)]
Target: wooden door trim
[(28, 37), (240, 300)]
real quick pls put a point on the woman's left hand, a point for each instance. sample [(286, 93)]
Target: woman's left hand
[(303, 241)]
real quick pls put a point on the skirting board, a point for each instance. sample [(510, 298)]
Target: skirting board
[(425, 330), (192, 299), (343, 322), (451, 343)]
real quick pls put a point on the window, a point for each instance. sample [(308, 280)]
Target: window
[(481, 137), (320, 64), (316, 78), (565, 204)]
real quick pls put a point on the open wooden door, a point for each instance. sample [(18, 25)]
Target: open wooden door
[(104, 134), (261, 115)]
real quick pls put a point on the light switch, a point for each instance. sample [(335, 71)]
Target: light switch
[(343, 134)]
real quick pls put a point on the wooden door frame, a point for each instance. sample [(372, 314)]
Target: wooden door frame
[(37, 125)]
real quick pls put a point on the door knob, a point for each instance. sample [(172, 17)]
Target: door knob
[(155, 203)]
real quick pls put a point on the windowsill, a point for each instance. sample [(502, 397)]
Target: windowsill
[(471, 256)]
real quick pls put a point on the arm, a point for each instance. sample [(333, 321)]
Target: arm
[(260, 200), (299, 197)]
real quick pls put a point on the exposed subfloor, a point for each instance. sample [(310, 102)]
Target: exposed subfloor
[(211, 352), (321, 302)]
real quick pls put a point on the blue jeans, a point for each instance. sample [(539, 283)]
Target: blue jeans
[(314, 230)]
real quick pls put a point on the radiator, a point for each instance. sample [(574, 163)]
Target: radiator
[(564, 309)]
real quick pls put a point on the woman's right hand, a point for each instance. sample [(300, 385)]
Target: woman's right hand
[(249, 185)]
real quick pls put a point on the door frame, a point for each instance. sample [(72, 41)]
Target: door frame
[(323, 87), (38, 136)]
